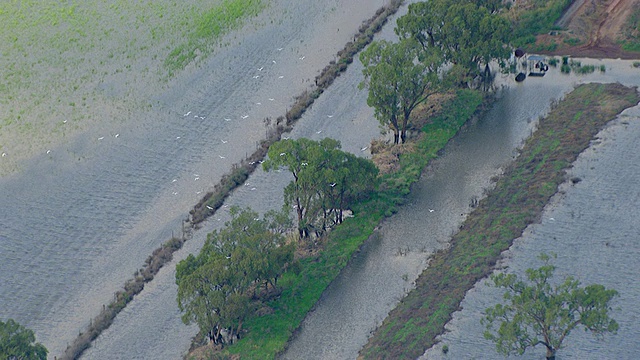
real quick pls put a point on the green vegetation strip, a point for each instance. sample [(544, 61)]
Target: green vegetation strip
[(212, 201), (516, 202), (268, 335)]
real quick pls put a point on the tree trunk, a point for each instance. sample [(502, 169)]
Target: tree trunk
[(551, 354)]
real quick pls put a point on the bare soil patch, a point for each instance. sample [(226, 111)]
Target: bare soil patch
[(593, 29)]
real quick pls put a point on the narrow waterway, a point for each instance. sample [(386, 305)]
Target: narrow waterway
[(382, 273), (593, 228), (78, 221)]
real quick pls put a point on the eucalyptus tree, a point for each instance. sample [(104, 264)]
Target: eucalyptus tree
[(538, 313), (18, 342), (220, 287), (399, 77), (325, 181), (467, 34)]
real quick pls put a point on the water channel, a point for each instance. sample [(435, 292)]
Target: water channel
[(77, 224), (381, 274)]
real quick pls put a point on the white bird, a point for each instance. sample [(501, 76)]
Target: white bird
[(301, 58), (280, 49), (196, 175), (4, 154), (195, 116), (245, 116), (552, 219), (329, 116), (174, 180), (228, 256), (201, 117), (318, 132), (227, 119), (260, 69), (364, 148), (209, 207), (260, 162), (221, 157), (101, 137), (304, 164), (198, 192), (286, 137), (257, 76), (258, 103), (48, 151), (223, 141), (332, 184), (116, 135), (253, 188), (177, 137), (175, 193), (283, 154), (431, 210), (251, 163), (196, 178), (273, 61), (187, 114), (64, 121), (271, 99), (281, 76)]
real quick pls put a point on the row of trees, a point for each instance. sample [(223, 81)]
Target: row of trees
[(236, 269), (239, 266), (442, 43), (326, 181)]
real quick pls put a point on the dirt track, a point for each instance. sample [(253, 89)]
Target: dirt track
[(598, 25)]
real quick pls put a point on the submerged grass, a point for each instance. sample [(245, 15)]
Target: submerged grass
[(516, 202)]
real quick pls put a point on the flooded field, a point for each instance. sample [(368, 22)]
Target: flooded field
[(82, 213), (382, 273), (592, 226)]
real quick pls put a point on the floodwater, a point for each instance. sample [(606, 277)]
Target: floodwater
[(78, 221), (363, 294), (592, 226)]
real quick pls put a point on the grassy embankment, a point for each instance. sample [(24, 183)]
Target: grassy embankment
[(267, 335), (534, 18), (516, 201), (196, 44)]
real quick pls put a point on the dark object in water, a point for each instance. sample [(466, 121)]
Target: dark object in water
[(520, 77)]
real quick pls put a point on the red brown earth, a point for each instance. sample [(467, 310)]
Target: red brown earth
[(598, 26)]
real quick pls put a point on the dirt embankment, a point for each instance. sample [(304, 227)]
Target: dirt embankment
[(594, 28)]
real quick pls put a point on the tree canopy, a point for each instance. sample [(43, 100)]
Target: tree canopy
[(219, 288), (467, 34), (398, 82), (325, 181), (19, 343), (538, 313)]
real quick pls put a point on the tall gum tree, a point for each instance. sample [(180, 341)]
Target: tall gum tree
[(467, 34), (398, 81), (538, 313)]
